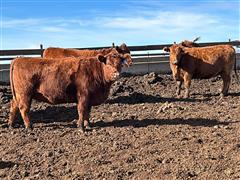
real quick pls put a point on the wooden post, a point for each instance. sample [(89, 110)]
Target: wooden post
[(41, 47), (148, 62)]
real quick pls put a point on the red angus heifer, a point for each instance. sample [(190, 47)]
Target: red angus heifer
[(65, 80), (205, 62), (54, 52)]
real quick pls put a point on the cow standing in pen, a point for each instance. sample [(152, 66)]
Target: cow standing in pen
[(201, 62), (55, 52), (63, 80)]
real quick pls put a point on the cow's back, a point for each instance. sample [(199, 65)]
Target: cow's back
[(212, 53), (206, 62), (53, 52)]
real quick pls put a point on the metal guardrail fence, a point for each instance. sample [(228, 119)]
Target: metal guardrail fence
[(143, 62)]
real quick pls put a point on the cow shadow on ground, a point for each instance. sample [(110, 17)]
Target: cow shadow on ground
[(209, 95), (235, 94), (49, 115), (148, 122), (54, 114), (138, 98), (59, 121), (6, 164)]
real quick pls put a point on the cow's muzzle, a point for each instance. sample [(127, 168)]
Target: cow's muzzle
[(125, 63), (175, 62), (116, 76)]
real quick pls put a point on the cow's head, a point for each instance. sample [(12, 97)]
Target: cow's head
[(111, 74), (187, 43), (176, 53), (123, 49), (115, 59)]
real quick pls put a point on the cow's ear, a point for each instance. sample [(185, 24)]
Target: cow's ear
[(196, 39), (119, 50), (102, 58), (167, 49)]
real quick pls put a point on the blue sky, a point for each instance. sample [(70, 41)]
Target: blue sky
[(90, 23)]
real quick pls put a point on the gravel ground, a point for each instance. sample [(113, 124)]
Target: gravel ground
[(141, 132)]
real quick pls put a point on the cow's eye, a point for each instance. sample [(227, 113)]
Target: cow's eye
[(114, 55)]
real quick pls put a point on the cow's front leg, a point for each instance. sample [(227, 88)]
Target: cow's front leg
[(87, 124), (179, 84), (82, 111), (187, 83)]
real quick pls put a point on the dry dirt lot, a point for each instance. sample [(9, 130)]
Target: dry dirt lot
[(141, 132)]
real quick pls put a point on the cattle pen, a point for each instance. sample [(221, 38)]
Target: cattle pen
[(146, 59), (142, 131)]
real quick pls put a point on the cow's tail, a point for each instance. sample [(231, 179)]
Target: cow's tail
[(235, 69), (11, 80)]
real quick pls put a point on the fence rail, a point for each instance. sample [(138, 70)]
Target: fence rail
[(143, 62), (132, 48)]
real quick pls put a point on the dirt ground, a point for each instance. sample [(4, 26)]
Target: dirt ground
[(141, 132)]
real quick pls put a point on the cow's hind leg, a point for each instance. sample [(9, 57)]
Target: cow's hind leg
[(24, 107), (226, 83), (187, 83), (179, 84), (13, 113)]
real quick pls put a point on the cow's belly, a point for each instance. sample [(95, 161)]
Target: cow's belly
[(56, 94), (204, 76), (206, 71), (53, 99), (98, 98)]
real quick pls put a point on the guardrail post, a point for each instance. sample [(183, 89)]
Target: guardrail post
[(41, 47)]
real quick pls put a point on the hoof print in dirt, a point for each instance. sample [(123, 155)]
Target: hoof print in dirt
[(152, 78)]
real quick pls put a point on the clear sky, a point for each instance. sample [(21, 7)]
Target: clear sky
[(89, 23)]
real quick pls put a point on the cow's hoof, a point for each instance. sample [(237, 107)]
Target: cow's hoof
[(29, 127), (81, 130), (10, 125), (88, 128), (222, 95)]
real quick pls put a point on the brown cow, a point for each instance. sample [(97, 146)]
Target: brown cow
[(54, 52), (205, 62), (71, 79)]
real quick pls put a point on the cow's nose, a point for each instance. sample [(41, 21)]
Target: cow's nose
[(175, 62), (116, 75), (130, 63)]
